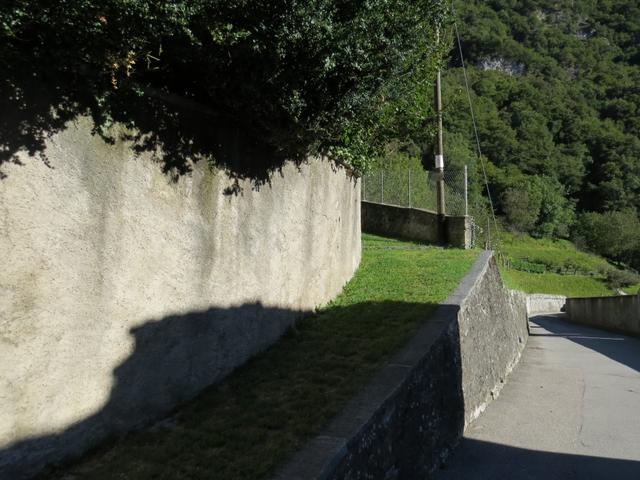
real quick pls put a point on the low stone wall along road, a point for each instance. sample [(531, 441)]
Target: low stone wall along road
[(571, 410)]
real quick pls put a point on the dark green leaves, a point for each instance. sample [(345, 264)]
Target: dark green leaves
[(316, 76)]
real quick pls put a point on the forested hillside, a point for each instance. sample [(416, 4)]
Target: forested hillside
[(556, 87)]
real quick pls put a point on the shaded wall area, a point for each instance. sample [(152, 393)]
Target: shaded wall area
[(99, 242), (619, 314), (171, 359), (413, 413), (416, 224)]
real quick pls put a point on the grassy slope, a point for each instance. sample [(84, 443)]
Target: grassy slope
[(553, 283), (582, 273), (555, 254), (246, 426)]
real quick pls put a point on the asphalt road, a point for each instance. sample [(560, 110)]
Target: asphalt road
[(570, 410)]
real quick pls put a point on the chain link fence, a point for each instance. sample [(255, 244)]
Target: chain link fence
[(417, 188)]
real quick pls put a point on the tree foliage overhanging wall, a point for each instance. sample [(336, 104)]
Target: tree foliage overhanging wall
[(338, 77)]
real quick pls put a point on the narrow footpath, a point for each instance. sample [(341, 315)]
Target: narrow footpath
[(570, 410)]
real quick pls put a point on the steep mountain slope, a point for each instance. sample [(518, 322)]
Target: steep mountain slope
[(556, 86)]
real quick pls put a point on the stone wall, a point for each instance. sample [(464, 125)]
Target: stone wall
[(416, 224), (619, 314), (545, 303), (124, 293), (493, 324), (412, 414)]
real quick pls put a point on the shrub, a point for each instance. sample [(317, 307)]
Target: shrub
[(526, 265), (615, 235), (621, 278), (539, 206), (522, 208)]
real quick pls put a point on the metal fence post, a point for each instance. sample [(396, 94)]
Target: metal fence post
[(466, 192), (409, 187), (364, 187), (381, 186)]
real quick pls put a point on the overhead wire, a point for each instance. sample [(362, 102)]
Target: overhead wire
[(475, 127)]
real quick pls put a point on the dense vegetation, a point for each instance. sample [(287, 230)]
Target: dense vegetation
[(556, 86), (340, 77), (244, 427)]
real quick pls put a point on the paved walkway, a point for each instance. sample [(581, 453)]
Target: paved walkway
[(570, 410)]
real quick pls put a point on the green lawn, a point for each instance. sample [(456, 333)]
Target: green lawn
[(247, 425)]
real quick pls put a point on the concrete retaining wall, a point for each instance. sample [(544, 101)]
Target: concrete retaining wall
[(123, 293), (416, 224), (619, 314), (412, 414), (544, 303)]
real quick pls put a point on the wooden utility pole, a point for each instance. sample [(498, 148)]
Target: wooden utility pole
[(439, 144)]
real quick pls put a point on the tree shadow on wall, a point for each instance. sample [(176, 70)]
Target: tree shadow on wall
[(246, 425), (37, 102)]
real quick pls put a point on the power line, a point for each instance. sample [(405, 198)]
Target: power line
[(475, 126)]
